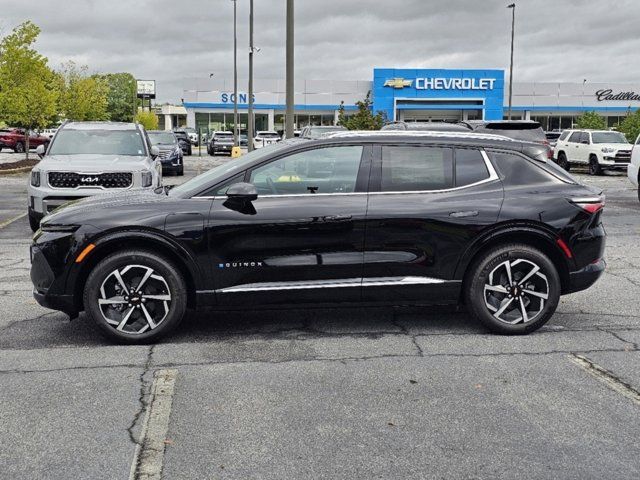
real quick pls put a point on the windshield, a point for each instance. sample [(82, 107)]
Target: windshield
[(608, 137), (189, 129), (161, 138), (211, 177), (98, 142)]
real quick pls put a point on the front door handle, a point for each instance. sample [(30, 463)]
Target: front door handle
[(469, 213), (336, 218)]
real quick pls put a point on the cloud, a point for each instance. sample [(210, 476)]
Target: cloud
[(170, 41)]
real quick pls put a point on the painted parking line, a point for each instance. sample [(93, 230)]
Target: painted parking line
[(11, 220), (606, 377), (149, 455)]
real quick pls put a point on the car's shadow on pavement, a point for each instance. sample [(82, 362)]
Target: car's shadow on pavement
[(55, 330)]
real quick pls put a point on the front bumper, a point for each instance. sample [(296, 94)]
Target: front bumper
[(46, 284), (585, 277)]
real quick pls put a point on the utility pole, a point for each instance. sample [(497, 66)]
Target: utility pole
[(235, 75), (250, 121), (513, 24), (289, 80)]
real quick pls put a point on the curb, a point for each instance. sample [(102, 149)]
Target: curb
[(15, 170)]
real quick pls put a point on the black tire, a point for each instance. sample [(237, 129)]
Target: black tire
[(522, 259), (563, 162), (169, 314), (19, 148), (34, 221), (594, 166), (180, 171)]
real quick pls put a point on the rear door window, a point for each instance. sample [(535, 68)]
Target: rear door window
[(584, 138), (575, 137), (470, 167), (416, 168)]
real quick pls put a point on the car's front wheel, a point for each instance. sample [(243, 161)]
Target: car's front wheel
[(135, 296), (19, 148), (594, 166), (512, 289)]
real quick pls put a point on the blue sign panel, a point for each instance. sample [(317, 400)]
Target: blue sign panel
[(396, 89)]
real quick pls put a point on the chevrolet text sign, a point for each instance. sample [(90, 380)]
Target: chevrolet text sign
[(455, 83)]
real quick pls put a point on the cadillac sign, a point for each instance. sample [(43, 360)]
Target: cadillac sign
[(607, 94)]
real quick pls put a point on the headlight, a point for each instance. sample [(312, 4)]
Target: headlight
[(608, 150), (35, 178), (147, 178)]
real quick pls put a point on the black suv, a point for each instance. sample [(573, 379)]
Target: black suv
[(221, 142), (523, 130), (379, 218)]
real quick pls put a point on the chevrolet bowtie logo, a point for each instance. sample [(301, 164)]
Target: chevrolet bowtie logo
[(398, 83)]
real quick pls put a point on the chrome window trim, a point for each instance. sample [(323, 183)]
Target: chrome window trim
[(334, 283)]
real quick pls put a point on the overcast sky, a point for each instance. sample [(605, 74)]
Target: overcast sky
[(170, 40)]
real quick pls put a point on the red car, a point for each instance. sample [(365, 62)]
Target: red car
[(14, 138)]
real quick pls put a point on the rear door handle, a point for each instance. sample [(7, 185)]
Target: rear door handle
[(469, 213), (336, 218)]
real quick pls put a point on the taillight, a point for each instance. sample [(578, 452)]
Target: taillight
[(590, 205)]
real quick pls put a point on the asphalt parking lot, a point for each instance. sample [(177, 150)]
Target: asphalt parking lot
[(328, 393)]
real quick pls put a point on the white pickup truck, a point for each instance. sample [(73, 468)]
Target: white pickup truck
[(599, 149)]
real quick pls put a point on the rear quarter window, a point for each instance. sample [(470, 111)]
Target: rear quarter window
[(564, 135), (517, 170)]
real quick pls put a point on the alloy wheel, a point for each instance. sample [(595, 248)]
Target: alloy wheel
[(516, 291), (134, 299)]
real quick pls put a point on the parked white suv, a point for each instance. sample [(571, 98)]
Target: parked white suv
[(633, 172), (264, 138), (599, 149), (91, 158)]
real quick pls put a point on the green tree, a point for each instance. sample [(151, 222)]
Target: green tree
[(28, 93), (121, 96), (591, 120), (83, 97), (149, 120), (630, 126), (364, 118)]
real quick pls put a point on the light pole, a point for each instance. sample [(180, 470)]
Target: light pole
[(289, 81), (235, 75), (513, 24), (250, 121)]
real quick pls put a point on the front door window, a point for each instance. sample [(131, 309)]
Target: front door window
[(322, 170)]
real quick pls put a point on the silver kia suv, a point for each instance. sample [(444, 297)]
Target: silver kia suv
[(91, 158)]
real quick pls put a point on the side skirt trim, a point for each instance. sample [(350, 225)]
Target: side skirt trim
[(341, 283)]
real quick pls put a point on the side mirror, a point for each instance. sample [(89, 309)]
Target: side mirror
[(242, 191), (154, 151), (585, 142), (40, 151)]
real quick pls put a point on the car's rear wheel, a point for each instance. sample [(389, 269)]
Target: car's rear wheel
[(135, 296), (512, 289), (563, 162), (594, 166), (19, 148)]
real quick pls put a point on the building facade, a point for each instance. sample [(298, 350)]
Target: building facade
[(429, 95)]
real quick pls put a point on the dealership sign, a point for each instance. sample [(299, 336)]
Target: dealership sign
[(146, 88), (437, 83), (230, 97), (607, 94)]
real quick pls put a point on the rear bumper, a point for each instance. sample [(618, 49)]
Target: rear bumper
[(585, 277)]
